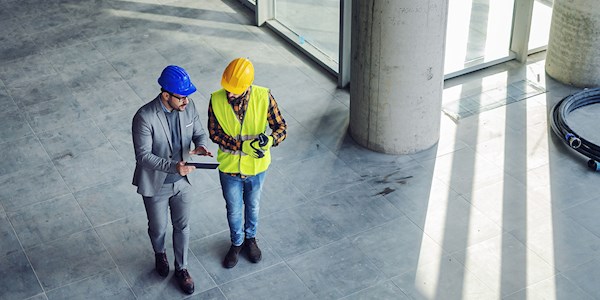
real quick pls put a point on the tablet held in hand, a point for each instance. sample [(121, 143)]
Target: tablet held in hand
[(200, 165)]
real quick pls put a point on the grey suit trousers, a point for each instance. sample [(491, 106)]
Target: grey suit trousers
[(178, 197)]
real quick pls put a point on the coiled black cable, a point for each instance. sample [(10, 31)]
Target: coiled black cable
[(567, 135)]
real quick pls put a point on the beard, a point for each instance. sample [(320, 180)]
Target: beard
[(237, 99)]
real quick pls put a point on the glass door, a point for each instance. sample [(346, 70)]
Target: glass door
[(313, 25), (478, 34), (540, 25)]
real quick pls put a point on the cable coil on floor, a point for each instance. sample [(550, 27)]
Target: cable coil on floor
[(561, 128)]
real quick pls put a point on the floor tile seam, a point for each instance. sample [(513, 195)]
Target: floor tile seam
[(472, 272), (89, 41), (82, 188), (299, 278), (215, 285), (222, 284), (551, 264), (300, 159), (210, 236), (574, 219), (595, 257), (554, 277), (295, 255), (62, 176), (312, 203), (23, 114), (37, 51), (55, 7), (393, 281), (507, 156), (48, 157), (44, 53), (575, 283), (309, 251), (112, 146), (26, 137), (422, 230), (4, 88), (385, 277), (390, 280), (445, 252), (300, 203), (86, 117), (124, 55), (451, 183), (349, 238), (465, 249), (478, 155), (23, 250), (205, 44), (360, 232), (521, 290), (48, 162), (22, 208), (332, 192), (395, 278), (286, 261), (468, 199), (41, 244), (573, 204), (105, 268), (80, 280), (93, 120), (111, 222), (55, 66)]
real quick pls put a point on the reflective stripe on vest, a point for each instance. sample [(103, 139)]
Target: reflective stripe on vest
[(255, 122)]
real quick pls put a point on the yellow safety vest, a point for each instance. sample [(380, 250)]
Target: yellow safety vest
[(255, 122)]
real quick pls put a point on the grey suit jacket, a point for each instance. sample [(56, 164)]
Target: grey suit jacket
[(152, 144)]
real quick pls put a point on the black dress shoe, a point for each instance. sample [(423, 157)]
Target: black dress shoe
[(231, 258), (185, 281), (254, 253), (162, 264)]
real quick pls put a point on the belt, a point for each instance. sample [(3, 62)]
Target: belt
[(237, 175)]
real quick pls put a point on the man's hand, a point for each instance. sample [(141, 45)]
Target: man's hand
[(183, 170), (201, 150), (269, 143), (247, 148)]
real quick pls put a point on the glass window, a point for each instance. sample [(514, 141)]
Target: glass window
[(540, 25), (312, 21), (478, 32)]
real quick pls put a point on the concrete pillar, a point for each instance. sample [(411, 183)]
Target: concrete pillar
[(573, 55), (397, 73)]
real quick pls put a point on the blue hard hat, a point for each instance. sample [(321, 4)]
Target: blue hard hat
[(175, 79)]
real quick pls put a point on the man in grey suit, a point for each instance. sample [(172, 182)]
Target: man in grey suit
[(163, 130)]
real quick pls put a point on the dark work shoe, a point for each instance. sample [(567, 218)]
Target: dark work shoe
[(254, 253), (185, 281), (162, 264), (231, 258)]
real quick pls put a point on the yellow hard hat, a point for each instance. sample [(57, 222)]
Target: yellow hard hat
[(238, 76)]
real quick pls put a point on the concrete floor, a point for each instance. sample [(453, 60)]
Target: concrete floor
[(498, 209)]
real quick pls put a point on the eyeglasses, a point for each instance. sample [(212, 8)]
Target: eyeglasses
[(180, 98)]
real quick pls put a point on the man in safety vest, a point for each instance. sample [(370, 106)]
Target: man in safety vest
[(238, 116)]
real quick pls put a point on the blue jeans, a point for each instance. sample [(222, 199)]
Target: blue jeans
[(178, 197), (242, 200)]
